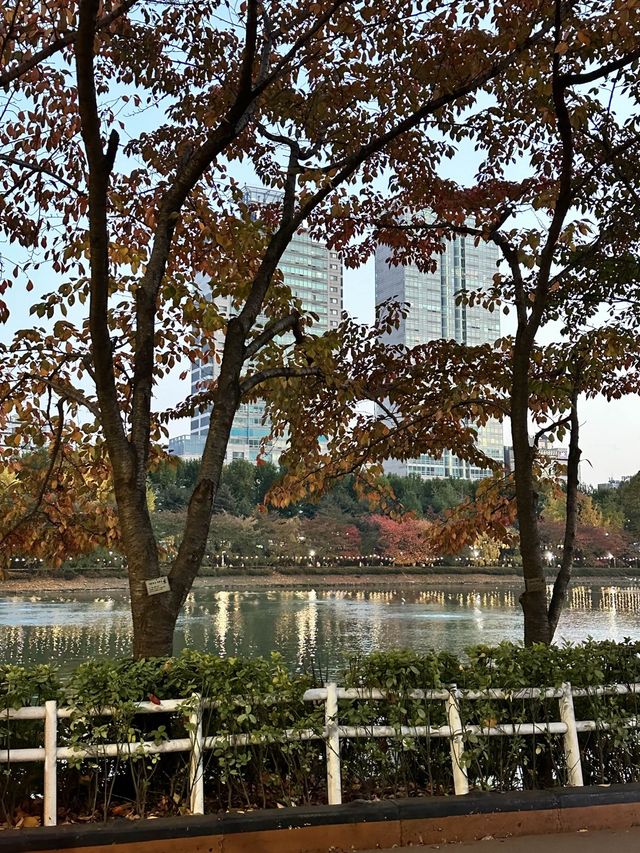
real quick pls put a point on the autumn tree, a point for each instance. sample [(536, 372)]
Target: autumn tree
[(630, 503), (405, 541), (566, 233), (562, 267), (50, 509), (320, 98)]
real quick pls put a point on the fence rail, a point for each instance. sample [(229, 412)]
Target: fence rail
[(332, 733)]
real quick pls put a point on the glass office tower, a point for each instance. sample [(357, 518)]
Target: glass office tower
[(433, 313), (314, 274)]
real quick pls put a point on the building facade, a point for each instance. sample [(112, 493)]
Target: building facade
[(314, 274), (553, 458), (433, 313)]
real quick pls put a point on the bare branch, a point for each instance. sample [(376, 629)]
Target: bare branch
[(272, 330), (277, 372)]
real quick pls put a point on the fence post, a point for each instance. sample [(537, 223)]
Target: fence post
[(50, 813), (334, 782), (460, 778), (571, 745), (196, 771)]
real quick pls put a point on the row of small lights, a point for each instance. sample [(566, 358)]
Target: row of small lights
[(222, 559)]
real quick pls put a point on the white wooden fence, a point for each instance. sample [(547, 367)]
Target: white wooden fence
[(332, 733)]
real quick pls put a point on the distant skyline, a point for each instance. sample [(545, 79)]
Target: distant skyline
[(433, 314), (608, 431)]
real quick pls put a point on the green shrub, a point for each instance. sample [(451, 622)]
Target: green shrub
[(246, 704)]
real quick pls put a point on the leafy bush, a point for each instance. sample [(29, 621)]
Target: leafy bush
[(246, 704)]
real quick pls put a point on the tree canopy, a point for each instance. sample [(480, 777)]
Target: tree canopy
[(123, 131)]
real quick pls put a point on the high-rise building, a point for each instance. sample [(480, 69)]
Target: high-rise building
[(313, 272), (433, 313), (553, 458)]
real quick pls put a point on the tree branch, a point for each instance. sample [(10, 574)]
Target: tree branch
[(550, 428), (274, 373), (281, 237), (228, 128), (63, 40), (300, 42), (250, 40), (57, 444), (100, 165), (70, 393), (563, 578), (271, 330), (510, 254), (565, 194), (508, 250), (42, 170), (602, 71)]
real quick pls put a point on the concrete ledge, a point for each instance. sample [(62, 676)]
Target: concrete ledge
[(353, 826)]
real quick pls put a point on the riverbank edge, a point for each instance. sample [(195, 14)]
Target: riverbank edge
[(277, 580)]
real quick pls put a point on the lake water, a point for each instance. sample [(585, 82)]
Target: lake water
[(323, 626)]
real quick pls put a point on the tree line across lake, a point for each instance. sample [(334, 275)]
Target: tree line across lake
[(342, 527)]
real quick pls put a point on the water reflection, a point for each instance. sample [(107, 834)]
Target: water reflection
[(324, 625)]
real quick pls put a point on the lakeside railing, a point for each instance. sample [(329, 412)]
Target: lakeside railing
[(333, 733)]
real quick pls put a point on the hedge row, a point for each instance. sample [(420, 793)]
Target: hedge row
[(272, 772)]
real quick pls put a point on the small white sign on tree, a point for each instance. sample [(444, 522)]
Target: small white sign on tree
[(158, 585)]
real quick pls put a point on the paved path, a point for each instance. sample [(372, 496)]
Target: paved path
[(607, 841)]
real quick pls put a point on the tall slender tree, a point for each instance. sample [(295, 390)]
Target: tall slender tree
[(567, 234)]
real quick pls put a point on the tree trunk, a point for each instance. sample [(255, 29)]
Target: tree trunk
[(534, 598), (563, 579), (152, 616), (153, 621)]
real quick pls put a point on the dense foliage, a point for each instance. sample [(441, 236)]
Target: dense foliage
[(339, 528), (260, 699), (244, 490), (350, 113)]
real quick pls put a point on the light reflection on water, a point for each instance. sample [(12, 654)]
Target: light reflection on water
[(324, 626)]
